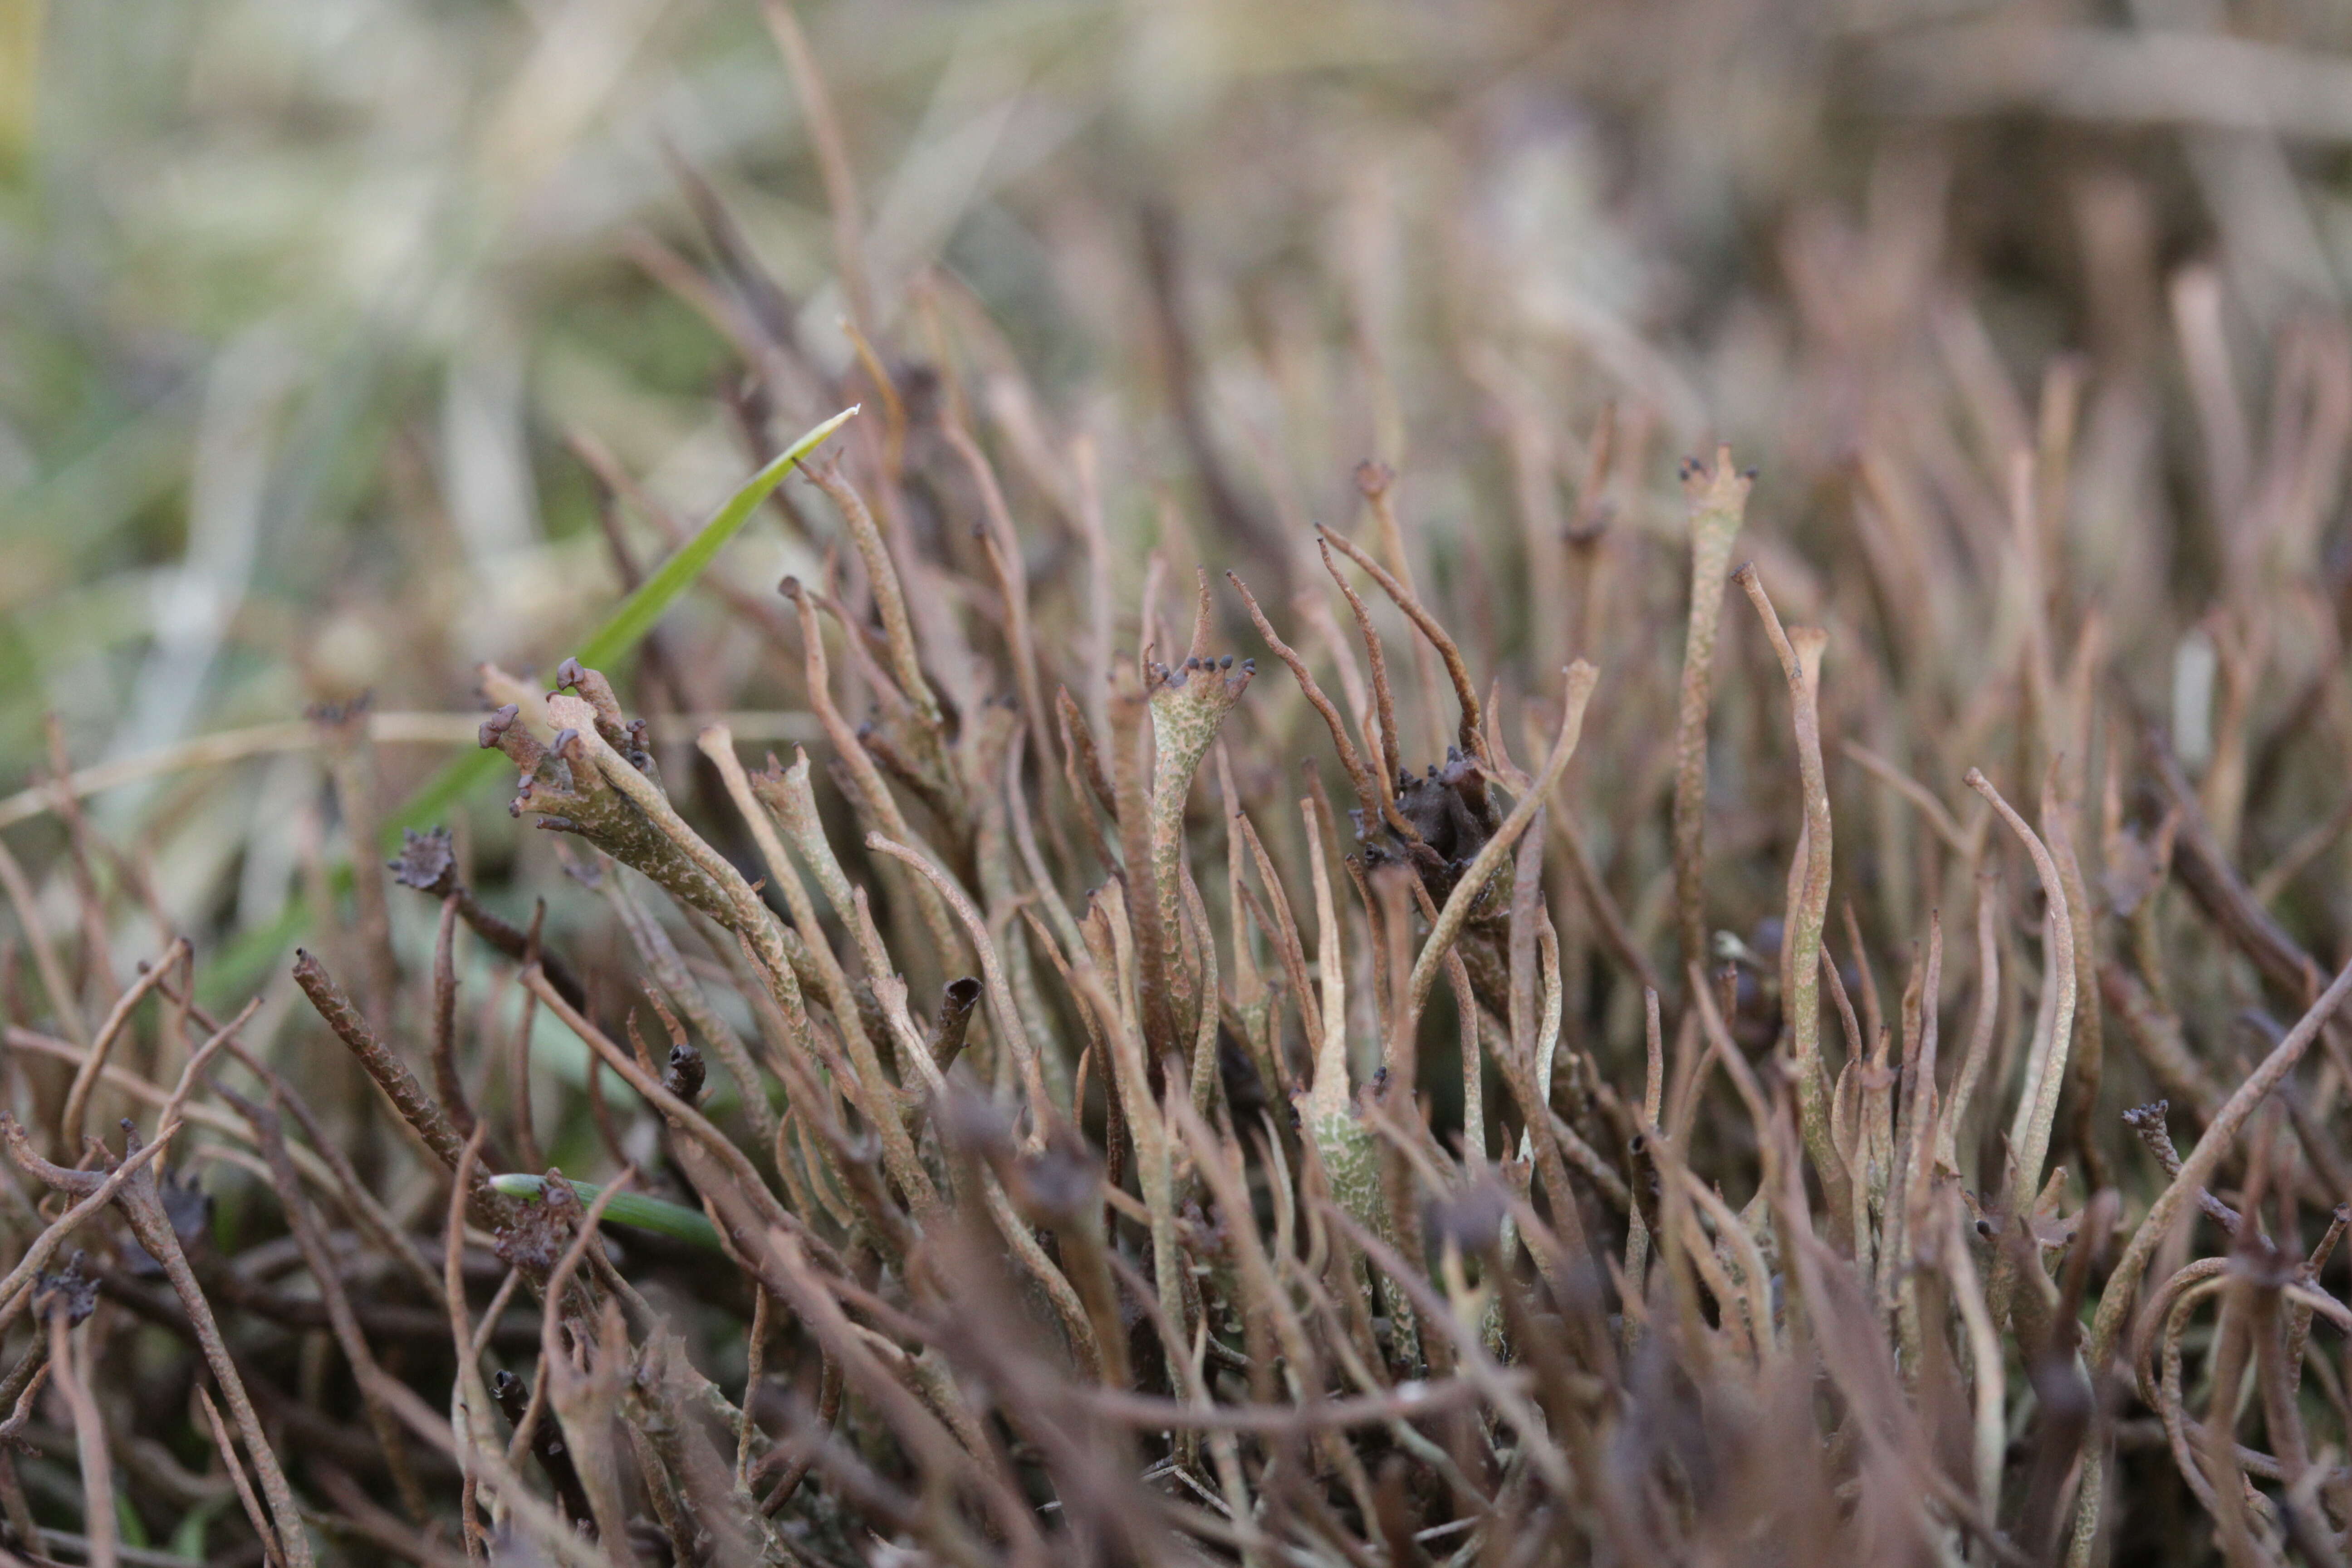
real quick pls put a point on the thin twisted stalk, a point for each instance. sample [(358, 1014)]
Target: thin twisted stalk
[(86, 1077), (2122, 1286)]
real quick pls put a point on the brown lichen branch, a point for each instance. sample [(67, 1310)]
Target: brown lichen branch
[(428, 862), (2203, 866), (1392, 773), (1359, 776), (417, 1108), (1471, 732)]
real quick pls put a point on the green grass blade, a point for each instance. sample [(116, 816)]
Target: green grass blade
[(238, 967), (673, 1220), (641, 609), (626, 628)]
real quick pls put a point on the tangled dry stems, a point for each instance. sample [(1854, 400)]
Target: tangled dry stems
[(1182, 1228)]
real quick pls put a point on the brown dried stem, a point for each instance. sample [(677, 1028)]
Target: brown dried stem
[(1470, 730), (45, 954), (1359, 776), (1383, 698), (416, 1108), (447, 1083), (889, 598), (71, 1379), (118, 1019)]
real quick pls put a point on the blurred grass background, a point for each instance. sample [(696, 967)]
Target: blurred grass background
[(303, 302)]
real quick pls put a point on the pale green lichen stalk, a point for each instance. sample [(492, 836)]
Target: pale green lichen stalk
[(1188, 705), (1718, 502)]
